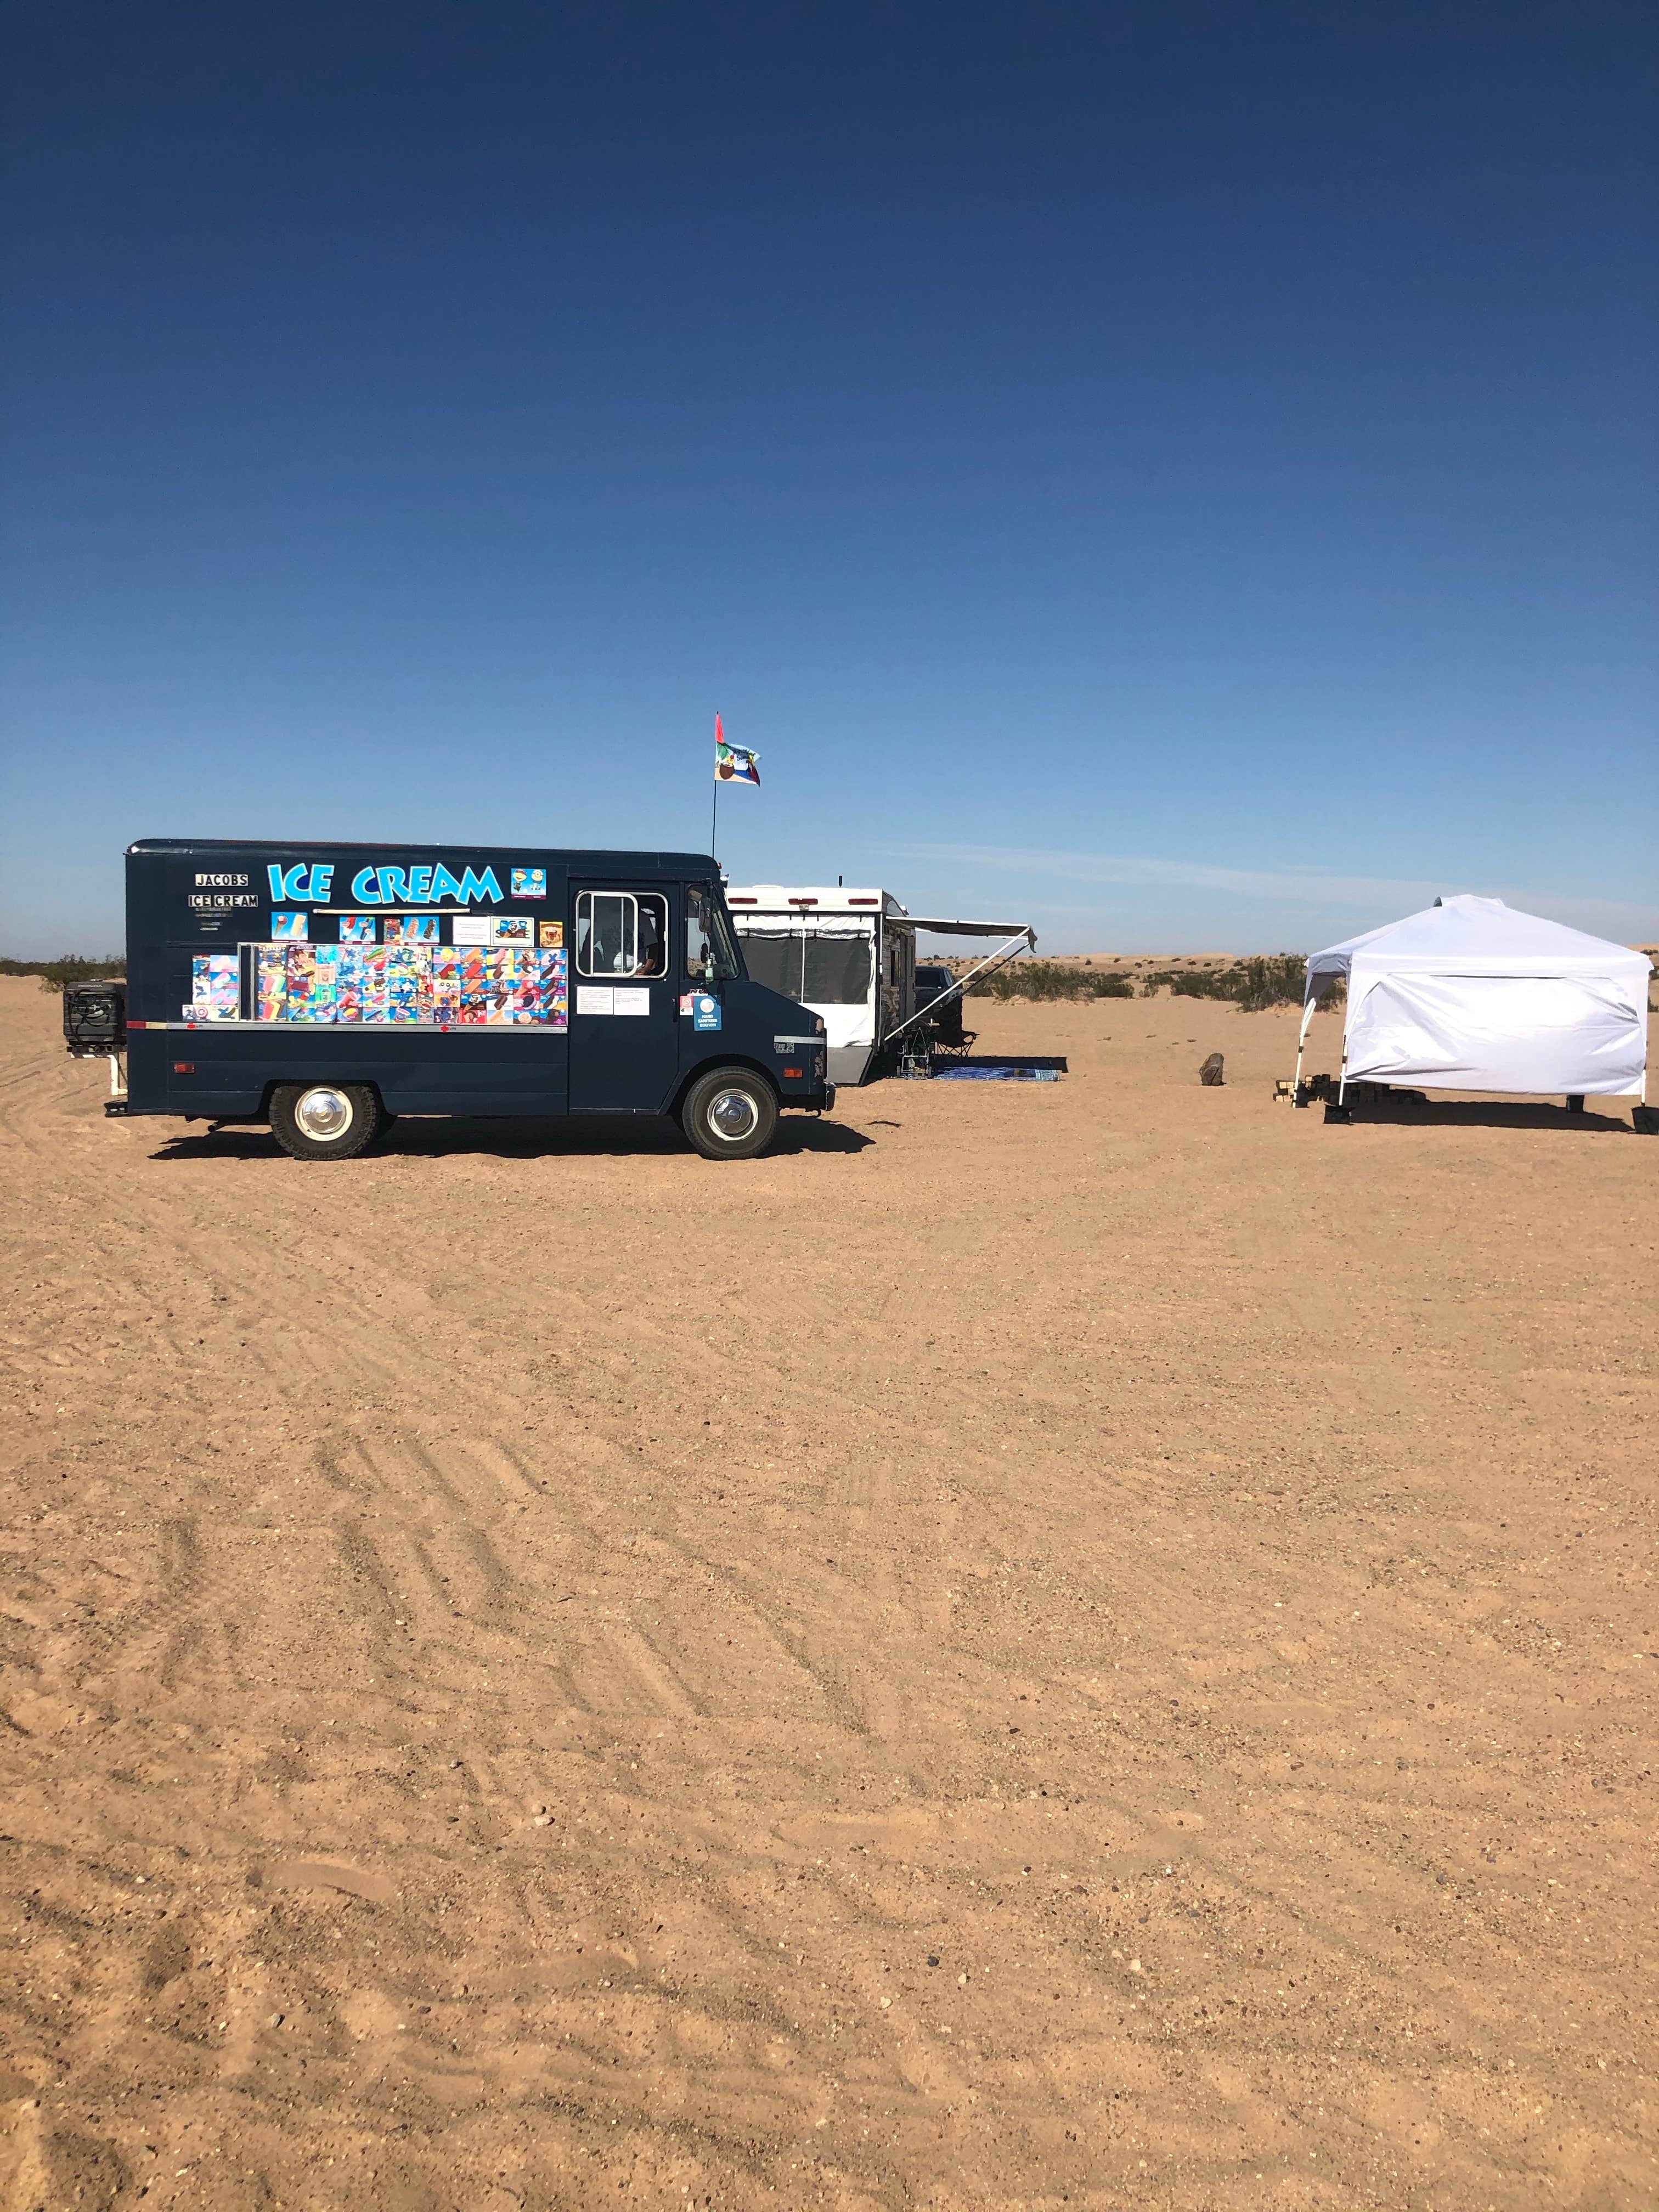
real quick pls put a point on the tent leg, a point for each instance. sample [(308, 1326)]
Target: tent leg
[(1308, 1011)]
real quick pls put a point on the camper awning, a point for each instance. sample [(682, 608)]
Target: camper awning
[(963, 928)]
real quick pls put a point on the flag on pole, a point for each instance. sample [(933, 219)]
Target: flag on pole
[(733, 764)]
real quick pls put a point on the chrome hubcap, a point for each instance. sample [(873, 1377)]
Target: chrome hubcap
[(322, 1113), (733, 1115)]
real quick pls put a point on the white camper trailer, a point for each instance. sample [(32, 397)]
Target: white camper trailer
[(850, 956)]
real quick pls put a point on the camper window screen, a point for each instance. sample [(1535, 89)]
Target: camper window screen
[(775, 962), (819, 971), (837, 971)]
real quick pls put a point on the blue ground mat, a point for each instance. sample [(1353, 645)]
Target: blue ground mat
[(982, 1070)]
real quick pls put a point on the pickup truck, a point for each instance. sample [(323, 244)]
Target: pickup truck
[(933, 981)]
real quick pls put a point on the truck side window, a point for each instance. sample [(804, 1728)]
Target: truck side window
[(710, 955), (620, 934)]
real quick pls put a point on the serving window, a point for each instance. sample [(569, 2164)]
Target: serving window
[(622, 933)]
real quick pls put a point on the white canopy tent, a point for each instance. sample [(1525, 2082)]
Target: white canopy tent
[(1471, 995)]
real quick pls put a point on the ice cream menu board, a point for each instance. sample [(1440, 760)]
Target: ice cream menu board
[(215, 987), (448, 986)]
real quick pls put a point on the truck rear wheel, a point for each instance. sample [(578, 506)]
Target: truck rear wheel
[(323, 1121), (730, 1114)]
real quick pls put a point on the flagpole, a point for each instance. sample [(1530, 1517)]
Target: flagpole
[(714, 812)]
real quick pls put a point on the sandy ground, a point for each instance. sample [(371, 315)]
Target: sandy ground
[(1080, 1644)]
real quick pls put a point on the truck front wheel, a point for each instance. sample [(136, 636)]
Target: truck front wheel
[(730, 1114), (323, 1121)]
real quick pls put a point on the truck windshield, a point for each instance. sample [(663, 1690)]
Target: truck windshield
[(709, 954)]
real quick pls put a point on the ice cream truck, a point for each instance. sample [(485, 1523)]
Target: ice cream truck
[(850, 957), (325, 988)]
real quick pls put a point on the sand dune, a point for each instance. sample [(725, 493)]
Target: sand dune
[(1078, 1644)]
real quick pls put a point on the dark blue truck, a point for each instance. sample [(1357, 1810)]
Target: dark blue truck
[(325, 988)]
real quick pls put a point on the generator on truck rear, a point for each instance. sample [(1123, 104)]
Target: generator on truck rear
[(327, 989)]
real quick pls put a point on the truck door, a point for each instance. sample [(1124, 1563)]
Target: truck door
[(624, 1001)]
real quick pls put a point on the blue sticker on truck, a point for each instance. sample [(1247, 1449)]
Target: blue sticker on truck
[(705, 1012)]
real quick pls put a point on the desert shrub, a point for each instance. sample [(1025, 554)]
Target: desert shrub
[(1051, 979), (1183, 982), (1199, 983), (72, 968), (1277, 980), (1282, 979), (1252, 986)]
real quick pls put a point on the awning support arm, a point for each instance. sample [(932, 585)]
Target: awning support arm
[(1023, 940)]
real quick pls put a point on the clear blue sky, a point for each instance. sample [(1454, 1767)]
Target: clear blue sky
[(1182, 474)]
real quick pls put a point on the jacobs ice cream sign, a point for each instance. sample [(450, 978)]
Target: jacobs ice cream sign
[(309, 884)]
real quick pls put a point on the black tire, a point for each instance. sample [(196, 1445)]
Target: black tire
[(730, 1114), (324, 1120)]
